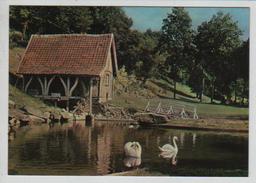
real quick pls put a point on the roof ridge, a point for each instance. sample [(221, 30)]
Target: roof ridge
[(71, 35)]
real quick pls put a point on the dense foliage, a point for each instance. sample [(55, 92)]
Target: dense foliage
[(212, 60)]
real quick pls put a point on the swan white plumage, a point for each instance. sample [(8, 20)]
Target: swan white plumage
[(132, 149), (170, 152), (169, 147)]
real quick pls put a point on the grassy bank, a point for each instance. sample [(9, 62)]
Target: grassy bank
[(156, 91), (21, 99)]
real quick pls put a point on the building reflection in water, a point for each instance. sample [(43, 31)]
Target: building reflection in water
[(89, 143), (104, 143)]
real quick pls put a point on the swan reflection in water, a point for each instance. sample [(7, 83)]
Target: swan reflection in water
[(132, 162), (170, 152), (133, 154)]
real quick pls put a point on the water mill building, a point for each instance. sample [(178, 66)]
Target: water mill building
[(65, 68)]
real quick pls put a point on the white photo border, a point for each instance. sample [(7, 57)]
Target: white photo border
[(4, 90)]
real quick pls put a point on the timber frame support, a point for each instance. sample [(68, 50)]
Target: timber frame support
[(69, 84)]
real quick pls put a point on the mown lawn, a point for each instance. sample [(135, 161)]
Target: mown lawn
[(164, 94)]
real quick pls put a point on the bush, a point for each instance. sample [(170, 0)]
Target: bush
[(15, 38)]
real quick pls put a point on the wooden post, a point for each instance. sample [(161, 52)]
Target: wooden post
[(68, 87), (42, 85), (71, 89), (195, 116), (45, 86), (48, 85), (90, 98), (147, 107), (68, 92), (99, 89), (28, 83), (158, 109)]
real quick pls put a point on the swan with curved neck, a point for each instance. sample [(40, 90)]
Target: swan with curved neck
[(169, 147), (170, 152)]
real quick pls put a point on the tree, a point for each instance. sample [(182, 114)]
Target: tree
[(215, 41), (176, 40), (240, 85), (113, 20), (49, 20)]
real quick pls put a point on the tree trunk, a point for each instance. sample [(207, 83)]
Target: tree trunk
[(174, 92), (25, 25), (235, 95), (243, 93), (212, 93), (202, 91)]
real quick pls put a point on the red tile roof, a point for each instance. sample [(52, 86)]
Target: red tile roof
[(75, 54)]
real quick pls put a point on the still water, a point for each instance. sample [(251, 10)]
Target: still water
[(77, 149)]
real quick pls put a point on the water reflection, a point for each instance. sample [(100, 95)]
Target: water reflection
[(182, 136), (75, 149), (169, 155), (194, 140), (132, 162), (103, 153)]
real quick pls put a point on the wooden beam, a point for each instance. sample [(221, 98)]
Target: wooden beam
[(49, 84), (64, 85), (42, 85), (74, 86), (28, 83), (23, 83), (99, 84), (45, 84), (85, 91), (68, 87), (90, 107)]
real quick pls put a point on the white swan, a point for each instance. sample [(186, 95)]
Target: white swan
[(132, 149), (170, 152), (169, 147)]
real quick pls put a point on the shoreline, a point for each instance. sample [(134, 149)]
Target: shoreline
[(205, 124), (210, 124)]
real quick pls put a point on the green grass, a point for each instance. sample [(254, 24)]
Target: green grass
[(183, 92), (15, 55), (163, 93), (21, 99)]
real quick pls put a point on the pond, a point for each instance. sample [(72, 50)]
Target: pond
[(77, 149)]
